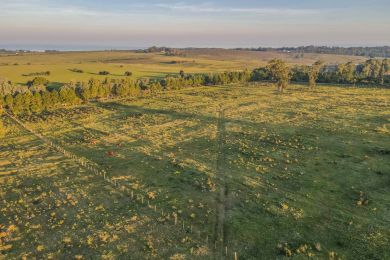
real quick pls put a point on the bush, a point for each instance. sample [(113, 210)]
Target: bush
[(104, 72), (77, 70), (43, 73), (128, 73)]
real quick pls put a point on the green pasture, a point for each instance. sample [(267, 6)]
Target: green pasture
[(305, 175)]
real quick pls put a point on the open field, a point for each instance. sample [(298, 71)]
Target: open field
[(117, 63), (235, 168)]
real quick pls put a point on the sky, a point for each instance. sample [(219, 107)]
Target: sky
[(120, 24)]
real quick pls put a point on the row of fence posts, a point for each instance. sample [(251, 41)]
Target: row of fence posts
[(139, 197)]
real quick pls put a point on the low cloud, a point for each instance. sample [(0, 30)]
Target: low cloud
[(208, 8)]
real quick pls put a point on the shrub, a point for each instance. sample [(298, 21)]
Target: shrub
[(104, 72), (43, 73), (77, 70), (128, 73)]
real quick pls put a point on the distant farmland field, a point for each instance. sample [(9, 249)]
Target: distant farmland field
[(62, 65), (200, 173)]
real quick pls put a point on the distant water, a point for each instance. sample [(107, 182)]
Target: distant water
[(42, 47)]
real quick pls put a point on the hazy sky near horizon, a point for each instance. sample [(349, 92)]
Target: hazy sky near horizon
[(229, 23)]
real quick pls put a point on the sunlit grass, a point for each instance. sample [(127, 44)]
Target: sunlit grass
[(306, 171)]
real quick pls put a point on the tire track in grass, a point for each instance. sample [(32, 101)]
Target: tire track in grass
[(220, 229)]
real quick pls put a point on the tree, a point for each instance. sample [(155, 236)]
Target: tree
[(260, 74), (120, 90), (155, 87), (2, 103), (384, 69), (46, 101), (6, 87), (84, 92), (313, 73), (19, 105), (300, 73), (346, 73), (2, 129), (280, 72), (68, 96), (27, 96), (93, 85), (9, 101), (372, 70), (36, 103)]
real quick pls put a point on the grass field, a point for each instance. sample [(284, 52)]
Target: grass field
[(117, 63), (222, 170)]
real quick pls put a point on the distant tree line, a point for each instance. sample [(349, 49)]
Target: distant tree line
[(5, 51), (37, 98), (372, 71), (166, 50), (381, 51)]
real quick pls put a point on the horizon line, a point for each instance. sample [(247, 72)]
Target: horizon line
[(70, 48)]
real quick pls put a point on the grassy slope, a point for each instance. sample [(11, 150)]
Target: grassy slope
[(294, 164)]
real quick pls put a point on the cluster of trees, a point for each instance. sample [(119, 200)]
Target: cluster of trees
[(373, 71), (166, 50), (6, 87), (36, 102), (36, 99), (32, 101), (383, 51)]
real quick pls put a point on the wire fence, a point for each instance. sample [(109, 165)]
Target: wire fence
[(185, 225)]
